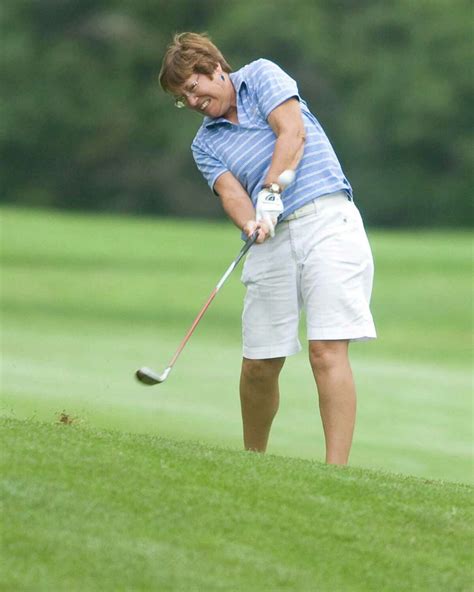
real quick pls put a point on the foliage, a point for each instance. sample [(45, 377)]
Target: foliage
[(84, 124)]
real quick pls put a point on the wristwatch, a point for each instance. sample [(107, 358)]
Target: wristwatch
[(273, 187)]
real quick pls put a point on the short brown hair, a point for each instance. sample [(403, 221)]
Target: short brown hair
[(187, 54)]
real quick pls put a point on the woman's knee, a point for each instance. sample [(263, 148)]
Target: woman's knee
[(326, 355), (261, 370)]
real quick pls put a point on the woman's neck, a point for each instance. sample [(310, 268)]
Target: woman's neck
[(231, 114)]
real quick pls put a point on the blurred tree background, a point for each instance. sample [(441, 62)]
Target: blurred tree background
[(84, 124)]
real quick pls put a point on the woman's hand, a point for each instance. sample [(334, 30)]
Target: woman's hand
[(269, 207), (263, 230)]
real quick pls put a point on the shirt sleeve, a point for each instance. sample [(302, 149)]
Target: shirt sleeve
[(210, 167), (272, 86)]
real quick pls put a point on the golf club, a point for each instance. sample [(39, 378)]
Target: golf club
[(150, 377)]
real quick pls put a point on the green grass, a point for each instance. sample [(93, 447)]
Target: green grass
[(96, 510), (86, 300)]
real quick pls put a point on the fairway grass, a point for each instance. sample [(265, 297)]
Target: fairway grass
[(93, 510), (86, 300)]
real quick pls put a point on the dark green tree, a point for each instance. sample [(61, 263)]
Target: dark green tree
[(84, 124)]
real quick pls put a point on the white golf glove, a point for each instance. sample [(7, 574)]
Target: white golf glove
[(269, 207)]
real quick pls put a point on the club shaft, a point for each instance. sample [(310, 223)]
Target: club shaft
[(248, 243)]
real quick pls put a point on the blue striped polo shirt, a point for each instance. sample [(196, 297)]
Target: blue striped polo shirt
[(245, 149)]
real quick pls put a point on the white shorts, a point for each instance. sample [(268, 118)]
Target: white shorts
[(319, 260)]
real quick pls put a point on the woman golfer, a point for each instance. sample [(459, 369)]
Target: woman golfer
[(312, 251)]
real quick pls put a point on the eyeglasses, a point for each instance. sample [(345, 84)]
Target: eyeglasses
[(181, 101)]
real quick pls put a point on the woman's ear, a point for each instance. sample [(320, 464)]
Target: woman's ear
[(218, 71)]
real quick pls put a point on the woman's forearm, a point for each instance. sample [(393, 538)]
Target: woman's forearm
[(289, 149), (287, 123), (234, 199)]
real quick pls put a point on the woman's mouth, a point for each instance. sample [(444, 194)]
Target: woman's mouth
[(204, 104)]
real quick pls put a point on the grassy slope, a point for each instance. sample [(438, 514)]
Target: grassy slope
[(97, 510), (88, 299)]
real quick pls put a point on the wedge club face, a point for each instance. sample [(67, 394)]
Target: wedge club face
[(150, 377)]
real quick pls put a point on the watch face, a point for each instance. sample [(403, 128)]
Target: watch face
[(273, 187)]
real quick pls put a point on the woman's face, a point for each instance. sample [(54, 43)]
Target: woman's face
[(211, 96)]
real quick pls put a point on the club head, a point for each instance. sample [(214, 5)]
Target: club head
[(149, 377)]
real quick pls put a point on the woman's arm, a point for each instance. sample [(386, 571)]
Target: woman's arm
[(287, 123), (238, 206)]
